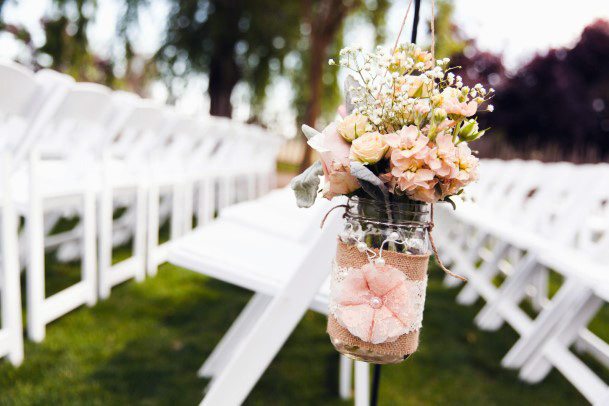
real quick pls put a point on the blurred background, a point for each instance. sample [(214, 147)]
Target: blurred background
[(265, 61)]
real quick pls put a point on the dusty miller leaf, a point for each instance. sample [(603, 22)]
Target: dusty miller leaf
[(309, 132), (306, 184), (350, 82)]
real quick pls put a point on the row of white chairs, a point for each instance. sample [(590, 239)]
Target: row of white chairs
[(527, 221), (82, 150)]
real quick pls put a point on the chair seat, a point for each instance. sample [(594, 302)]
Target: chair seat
[(574, 263), (517, 235), (280, 218), (74, 180), (242, 256)]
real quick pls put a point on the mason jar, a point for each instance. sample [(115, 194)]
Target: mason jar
[(379, 279)]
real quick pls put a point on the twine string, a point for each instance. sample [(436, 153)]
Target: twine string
[(323, 221), (433, 32), (397, 40), (435, 251)]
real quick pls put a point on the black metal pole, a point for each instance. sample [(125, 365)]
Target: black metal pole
[(415, 22), (376, 379)]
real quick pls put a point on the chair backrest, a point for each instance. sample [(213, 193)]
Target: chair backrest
[(144, 130), (17, 87), (20, 96), (74, 126)]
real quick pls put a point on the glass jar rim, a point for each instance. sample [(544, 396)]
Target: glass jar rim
[(404, 206), (404, 214)]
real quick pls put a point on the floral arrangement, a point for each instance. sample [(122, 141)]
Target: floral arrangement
[(403, 131)]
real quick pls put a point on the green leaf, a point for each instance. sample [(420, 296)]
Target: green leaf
[(449, 200)]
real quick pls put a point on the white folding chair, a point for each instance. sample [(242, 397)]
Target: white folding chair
[(70, 136), (125, 177), (563, 321), (11, 326), (256, 276), (21, 99), (270, 331)]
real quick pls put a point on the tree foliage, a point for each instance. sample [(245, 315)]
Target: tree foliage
[(560, 99)]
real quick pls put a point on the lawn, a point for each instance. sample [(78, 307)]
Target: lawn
[(144, 344)]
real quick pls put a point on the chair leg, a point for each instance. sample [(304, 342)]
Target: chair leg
[(513, 289), (88, 258), (11, 292), (153, 229), (468, 294), (362, 384), (540, 365), (139, 237), (176, 212), (188, 202), (344, 377), (565, 299), (35, 270), (105, 240), (244, 322)]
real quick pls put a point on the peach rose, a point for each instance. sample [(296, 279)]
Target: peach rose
[(352, 126), (369, 148)]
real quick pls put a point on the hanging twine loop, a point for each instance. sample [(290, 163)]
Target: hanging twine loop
[(435, 251), (323, 220)]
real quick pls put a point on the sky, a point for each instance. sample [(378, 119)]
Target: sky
[(517, 28)]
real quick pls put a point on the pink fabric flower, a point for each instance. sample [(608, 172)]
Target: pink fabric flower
[(378, 304)]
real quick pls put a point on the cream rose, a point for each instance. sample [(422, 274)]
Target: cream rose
[(368, 148), (352, 126)]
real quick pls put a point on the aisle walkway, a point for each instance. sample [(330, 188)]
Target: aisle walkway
[(145, 343)]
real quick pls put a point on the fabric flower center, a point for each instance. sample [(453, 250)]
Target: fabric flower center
[(375, 302)]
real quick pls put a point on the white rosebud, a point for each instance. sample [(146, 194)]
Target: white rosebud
[(491, 108), (331, 62)]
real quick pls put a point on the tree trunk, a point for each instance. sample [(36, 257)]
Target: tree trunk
[(325, 23), (224, 73), (223, 76), (313, 109)]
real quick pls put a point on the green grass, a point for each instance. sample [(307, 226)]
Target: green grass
[(144, 344)]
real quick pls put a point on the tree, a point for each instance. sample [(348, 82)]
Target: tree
[(230, 41), (325, 19), (560, 100)]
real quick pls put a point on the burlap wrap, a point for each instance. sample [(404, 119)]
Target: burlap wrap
[(415, 268)]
